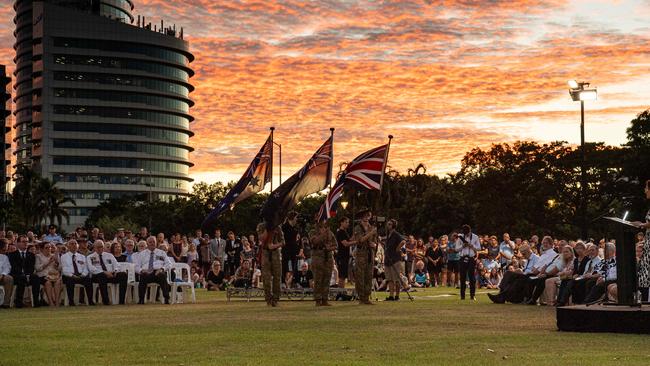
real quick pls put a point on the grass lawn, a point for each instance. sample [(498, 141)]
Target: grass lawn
[(433, 330)]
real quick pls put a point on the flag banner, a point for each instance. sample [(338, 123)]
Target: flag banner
[(312, 178), (257, 175), (365, 171)]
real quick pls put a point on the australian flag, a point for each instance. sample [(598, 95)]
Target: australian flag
[(258, 173), (314, 176), (365, 171)]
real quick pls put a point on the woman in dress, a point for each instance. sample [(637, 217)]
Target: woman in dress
[(434, 256), (644, 262), (47, 269)]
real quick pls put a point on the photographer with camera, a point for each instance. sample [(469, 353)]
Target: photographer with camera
[(469, 247)]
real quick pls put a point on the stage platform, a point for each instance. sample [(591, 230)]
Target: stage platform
[(604, 318)]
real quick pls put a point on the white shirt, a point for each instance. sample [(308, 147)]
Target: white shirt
[(68, 267), (474, 245), (95, 267), (5, 266), (160, 260), (545, 259), (531, 263), (558, 264)]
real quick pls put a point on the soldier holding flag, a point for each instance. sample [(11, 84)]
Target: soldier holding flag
[(323, 244), (365, 235), (271, 241)]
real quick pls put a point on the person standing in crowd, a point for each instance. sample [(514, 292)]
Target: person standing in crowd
[(470, 246), (394, 260), (644, 261), (343, 250), (434, 262), (104, 269), (204, 256), (52, 236), (453, 261), (411, 244), (22, 271), (271, 243), (291, 248), (323, 243), (365, 235), (75, 271), (5, 277), (506, 251), (233, 250), (152, 266), (218, 248), (47, 270)]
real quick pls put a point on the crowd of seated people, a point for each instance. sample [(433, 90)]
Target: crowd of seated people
[(548, 271)]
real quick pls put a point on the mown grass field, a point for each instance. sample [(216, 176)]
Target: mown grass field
[(435, 329)]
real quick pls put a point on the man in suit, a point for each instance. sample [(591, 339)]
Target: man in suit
[(22, 271), (218, 248)]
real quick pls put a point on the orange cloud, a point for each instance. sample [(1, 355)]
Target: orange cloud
[(442, 76)]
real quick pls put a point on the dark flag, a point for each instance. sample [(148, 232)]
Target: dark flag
[(312, 178), (258, 173), (365, 171)]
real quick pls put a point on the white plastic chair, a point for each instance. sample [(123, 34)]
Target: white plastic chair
[(77, 287), (179, 270), (131, 284), (28, 292), (2, 294)]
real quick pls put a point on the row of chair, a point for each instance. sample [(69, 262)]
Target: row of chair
[(132, 291)]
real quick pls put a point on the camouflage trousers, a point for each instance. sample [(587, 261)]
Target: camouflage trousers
[(363, 273), (322, 265), (271, 273)]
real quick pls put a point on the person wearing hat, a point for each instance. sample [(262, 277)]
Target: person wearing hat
[(365, 235), (83, 246), (323, 243), (52, 236), (271, 262)]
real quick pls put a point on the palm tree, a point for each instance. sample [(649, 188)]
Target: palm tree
[(51, 200)]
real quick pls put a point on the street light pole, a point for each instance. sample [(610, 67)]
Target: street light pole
[(580, 91), (583, 173)]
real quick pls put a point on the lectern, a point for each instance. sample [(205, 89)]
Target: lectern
[(626, 271)]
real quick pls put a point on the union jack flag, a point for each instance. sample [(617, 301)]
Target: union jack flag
[(365, 171)]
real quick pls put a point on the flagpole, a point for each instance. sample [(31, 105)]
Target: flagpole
[(272, 129), (329, 176), (383, 172)]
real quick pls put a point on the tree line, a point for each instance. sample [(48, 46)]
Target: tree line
[(522, 188)]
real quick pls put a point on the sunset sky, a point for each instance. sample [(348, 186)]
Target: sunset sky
[(442, 76)]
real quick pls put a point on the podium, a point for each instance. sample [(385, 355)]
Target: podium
[(630, 317), (626, 267)]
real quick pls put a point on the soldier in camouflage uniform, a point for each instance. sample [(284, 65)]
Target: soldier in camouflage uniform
[(365, 235), (323, 243), (271, 263)]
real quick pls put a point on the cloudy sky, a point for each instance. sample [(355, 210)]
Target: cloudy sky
[(442, 76)]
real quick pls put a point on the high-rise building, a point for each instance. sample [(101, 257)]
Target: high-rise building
[(101, 101), (5, 112)]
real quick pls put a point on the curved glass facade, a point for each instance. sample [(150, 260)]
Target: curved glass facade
[(123, 97), (123, 64), (124, 163), (127, 113), (117, 129), (142, 180), (124, 81), (123, 47), (140, 147)]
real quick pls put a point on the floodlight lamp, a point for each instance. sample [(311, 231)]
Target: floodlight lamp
[(588, 94), (573, 84)]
